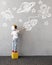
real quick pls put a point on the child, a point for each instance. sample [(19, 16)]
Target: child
[(14, 34)]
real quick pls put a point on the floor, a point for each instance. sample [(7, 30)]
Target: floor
[(26, 60)]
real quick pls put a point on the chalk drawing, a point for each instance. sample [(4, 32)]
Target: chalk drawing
[(14, 8), (7, 14), (46, 23), (33, 10), (44, 10), (44, 17), (30, 24), (27, 26), (4, 25), (33, 22), (32, 17), (26, 7)]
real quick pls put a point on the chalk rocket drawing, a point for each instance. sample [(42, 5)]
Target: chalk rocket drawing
[(44, 11), (30, 24), (26, 7), (7, 14)]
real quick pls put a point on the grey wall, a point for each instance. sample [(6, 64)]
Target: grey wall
[(36, 39)]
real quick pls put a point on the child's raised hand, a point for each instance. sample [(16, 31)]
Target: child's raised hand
[(22, 29)]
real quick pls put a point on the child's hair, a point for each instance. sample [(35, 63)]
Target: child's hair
[(15, 26)]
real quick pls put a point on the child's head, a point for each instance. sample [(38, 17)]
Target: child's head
[(14, 27)]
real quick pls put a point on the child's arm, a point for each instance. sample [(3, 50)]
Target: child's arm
[(22, 29)]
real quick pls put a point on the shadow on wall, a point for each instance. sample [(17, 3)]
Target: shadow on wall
[(20, 41)]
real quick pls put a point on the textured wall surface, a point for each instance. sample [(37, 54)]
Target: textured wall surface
[(33, 15)]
